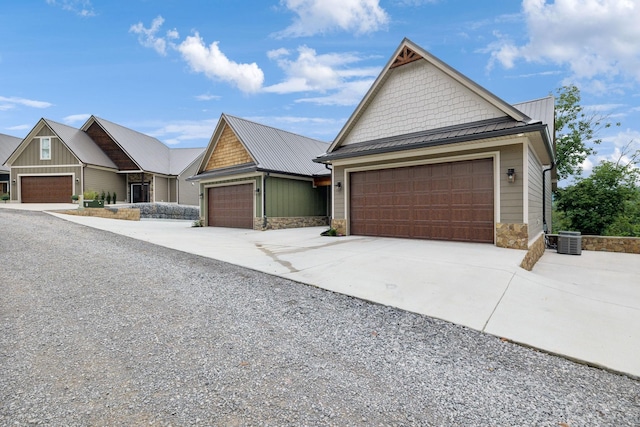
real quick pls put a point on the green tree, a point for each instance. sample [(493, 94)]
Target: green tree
[(594, 204), (576, 132)]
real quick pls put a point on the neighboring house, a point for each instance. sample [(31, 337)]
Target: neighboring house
[(8, 144), (430, 154), (258, 177), (56, 161)]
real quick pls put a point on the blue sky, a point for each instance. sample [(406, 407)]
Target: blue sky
[(169, 68)]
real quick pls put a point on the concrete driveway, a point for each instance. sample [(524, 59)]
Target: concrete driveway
[(583, 307)]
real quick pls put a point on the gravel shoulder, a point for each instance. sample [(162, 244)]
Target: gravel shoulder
[(101, 329)]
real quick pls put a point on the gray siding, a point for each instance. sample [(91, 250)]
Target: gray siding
[(60, 154), (102, 180), (188, 194), (173, 190), (511, 195), (292, 198), (534, 194), (72, 170), (549, 200), (161, 189)]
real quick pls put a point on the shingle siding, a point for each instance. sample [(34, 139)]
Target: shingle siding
[(228, 152), (418, 97)]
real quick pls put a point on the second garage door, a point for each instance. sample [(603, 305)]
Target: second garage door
[(231, 206), (46, 189), (446, 201)]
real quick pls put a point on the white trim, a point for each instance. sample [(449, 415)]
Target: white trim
[(20, 176), (205, 195), (49, 139), (430, 151), (494, 155), (525, 184), (228, 177), (153, 180)]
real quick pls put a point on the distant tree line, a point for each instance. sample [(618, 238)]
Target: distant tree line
[(607, 202)]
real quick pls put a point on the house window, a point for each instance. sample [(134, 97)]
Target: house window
[(45, 148)]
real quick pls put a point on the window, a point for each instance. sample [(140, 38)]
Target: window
[(45, 148)]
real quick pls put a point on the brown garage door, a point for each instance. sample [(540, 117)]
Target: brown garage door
[(447, 201), (46, 189), (231, 206)]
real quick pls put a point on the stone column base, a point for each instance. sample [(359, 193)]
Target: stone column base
[(512, 236)]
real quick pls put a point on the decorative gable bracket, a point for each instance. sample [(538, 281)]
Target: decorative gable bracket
[(405, 56)]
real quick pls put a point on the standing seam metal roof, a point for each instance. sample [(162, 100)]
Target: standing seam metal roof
[(147, 152), (8, 145), (82, 146), (279, 150)]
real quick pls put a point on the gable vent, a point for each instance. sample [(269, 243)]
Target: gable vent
[(405, 56)]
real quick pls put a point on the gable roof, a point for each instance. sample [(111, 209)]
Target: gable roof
[(8, 145), (408, 52), (272, 150), (542, 109), (181, 158), (147, 152), (78, 142)]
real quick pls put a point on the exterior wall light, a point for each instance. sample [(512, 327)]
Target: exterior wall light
[(257, 190), (201, 195), (13, 182), (511, 175), (338, 185)]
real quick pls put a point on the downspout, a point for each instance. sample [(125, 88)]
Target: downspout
[(544, 197), (264, 200)]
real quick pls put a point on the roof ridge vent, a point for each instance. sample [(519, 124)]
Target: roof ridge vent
[(405, 56)]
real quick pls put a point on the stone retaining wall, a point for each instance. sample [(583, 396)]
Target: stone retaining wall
[(535, 252), (278, 223), (629, 245), (130, 214), (168, 211)]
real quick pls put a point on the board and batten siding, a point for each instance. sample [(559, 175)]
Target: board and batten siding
[(60, 154), (103, 180), (511, 194), (74, 171), (294, 198), (534, 194)]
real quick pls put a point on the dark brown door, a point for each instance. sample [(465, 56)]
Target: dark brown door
[(231, 206), (46, 189), (446, 201)]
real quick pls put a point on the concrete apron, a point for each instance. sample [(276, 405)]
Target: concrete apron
[(475, 285)]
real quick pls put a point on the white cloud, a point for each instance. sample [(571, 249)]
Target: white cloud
[(594, 38), (177, 132), (75, 118), (310, 72), (323, 16), (207, 97), (9, 103), (148, 37), (215, 65), (350, 94), (79, 7), (20, 127)]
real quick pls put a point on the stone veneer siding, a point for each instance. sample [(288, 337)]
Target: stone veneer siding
[(512, 236), (534, 253), (340, 225), (279, 223)]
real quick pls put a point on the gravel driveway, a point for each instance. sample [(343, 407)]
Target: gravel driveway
[(100, 329)]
